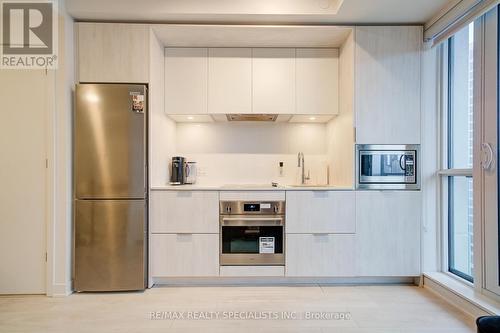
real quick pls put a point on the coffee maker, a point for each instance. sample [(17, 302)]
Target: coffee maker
[(177, 171)]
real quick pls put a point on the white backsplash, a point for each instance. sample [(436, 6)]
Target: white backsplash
[(224, 169), (251, 138), (249, 153)]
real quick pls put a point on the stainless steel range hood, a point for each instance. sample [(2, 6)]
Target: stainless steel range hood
[(251, 117)]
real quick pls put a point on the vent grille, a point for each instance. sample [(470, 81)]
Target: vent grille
[(251, 117)]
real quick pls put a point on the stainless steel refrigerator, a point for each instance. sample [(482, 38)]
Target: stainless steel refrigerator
[(110, 178)]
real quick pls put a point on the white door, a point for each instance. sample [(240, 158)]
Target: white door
[(487, 158), (22, 179)]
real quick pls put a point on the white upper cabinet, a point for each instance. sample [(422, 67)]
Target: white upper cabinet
[(317, 81), (113, 52), (245, 80), (387, 82), (230, 80), (388, 226), (273, 74), (186, 80)]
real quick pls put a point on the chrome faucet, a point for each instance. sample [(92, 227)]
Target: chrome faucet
[(300, 163)]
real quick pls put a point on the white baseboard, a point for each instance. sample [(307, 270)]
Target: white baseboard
[(217, 281), (61, 290), (460, 295)]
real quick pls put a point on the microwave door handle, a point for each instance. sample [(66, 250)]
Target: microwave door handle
[(403, 167)]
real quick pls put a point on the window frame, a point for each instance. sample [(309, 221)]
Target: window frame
[(446, 172)]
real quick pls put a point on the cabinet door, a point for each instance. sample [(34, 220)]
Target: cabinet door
[(184, 212), (387, 80), (388, 233), (186, 80), (320, 212), (273, 75), (113, 52), (320, 255), (317, 81), (230, 80), (176, 255)]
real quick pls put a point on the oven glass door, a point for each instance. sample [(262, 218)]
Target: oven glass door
[(386, 167), (252, 239)]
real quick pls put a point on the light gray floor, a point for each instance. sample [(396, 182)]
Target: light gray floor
[(374, 309)]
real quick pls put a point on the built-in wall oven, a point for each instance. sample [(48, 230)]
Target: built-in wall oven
[(391, 167), (252, 233)]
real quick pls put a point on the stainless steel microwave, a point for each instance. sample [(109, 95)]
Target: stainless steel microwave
[(388, 167)]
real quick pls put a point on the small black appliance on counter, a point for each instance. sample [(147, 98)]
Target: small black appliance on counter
[(177, 171)]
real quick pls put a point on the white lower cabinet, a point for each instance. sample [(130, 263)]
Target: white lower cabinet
[(184, 255), (320, 255), (184, 212), (320, 212), (388, 233)]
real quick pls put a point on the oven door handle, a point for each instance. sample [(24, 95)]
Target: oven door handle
[(252, 221)]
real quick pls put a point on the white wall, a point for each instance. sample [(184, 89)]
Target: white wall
[(430, 162), (60, 141), (36, 201), (161, 128), (23, 132)]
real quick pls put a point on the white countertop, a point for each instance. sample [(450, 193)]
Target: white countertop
[(250, 187)]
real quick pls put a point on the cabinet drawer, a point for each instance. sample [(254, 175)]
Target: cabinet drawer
[(179, 255), (320, 212), (320, 255), (184, 212)]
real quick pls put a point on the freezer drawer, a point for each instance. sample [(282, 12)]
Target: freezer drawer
[(110, 142), (110, 245)]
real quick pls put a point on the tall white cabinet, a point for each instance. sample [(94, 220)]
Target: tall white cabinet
[(387, 84), (388, 227)]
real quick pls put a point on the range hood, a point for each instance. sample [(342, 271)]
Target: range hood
[(251, 117)]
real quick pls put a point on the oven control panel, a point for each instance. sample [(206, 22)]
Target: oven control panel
[(252, 207)]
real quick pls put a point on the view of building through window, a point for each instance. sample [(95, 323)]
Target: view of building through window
[(460, 152)]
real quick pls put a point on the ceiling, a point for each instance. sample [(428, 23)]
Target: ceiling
[(200, 35), (259, 11)]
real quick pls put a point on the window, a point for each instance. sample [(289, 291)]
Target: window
[(459, 142)]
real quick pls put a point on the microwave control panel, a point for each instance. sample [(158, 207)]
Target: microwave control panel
[(410, 168)]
